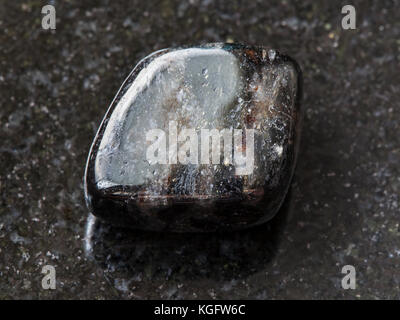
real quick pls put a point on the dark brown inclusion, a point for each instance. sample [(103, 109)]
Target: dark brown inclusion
[(213, 86)]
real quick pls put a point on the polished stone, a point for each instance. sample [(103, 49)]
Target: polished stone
[(167, 109)]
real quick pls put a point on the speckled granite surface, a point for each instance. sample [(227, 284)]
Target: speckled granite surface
[(344, 203)]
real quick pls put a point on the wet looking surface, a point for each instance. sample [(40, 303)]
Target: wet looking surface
[(344, 202)]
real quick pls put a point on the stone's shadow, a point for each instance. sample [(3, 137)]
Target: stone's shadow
[(140, 255)]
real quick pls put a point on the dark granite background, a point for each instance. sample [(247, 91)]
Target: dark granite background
[(55, 87)]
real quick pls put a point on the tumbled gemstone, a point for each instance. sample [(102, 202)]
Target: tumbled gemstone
[(198, 139)]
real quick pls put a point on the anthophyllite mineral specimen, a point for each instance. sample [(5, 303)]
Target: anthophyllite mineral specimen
[(198, 139)]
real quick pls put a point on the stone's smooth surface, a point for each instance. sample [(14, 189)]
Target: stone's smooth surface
[(216, 86)]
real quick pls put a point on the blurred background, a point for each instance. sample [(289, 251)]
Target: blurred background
[(343, 208)]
